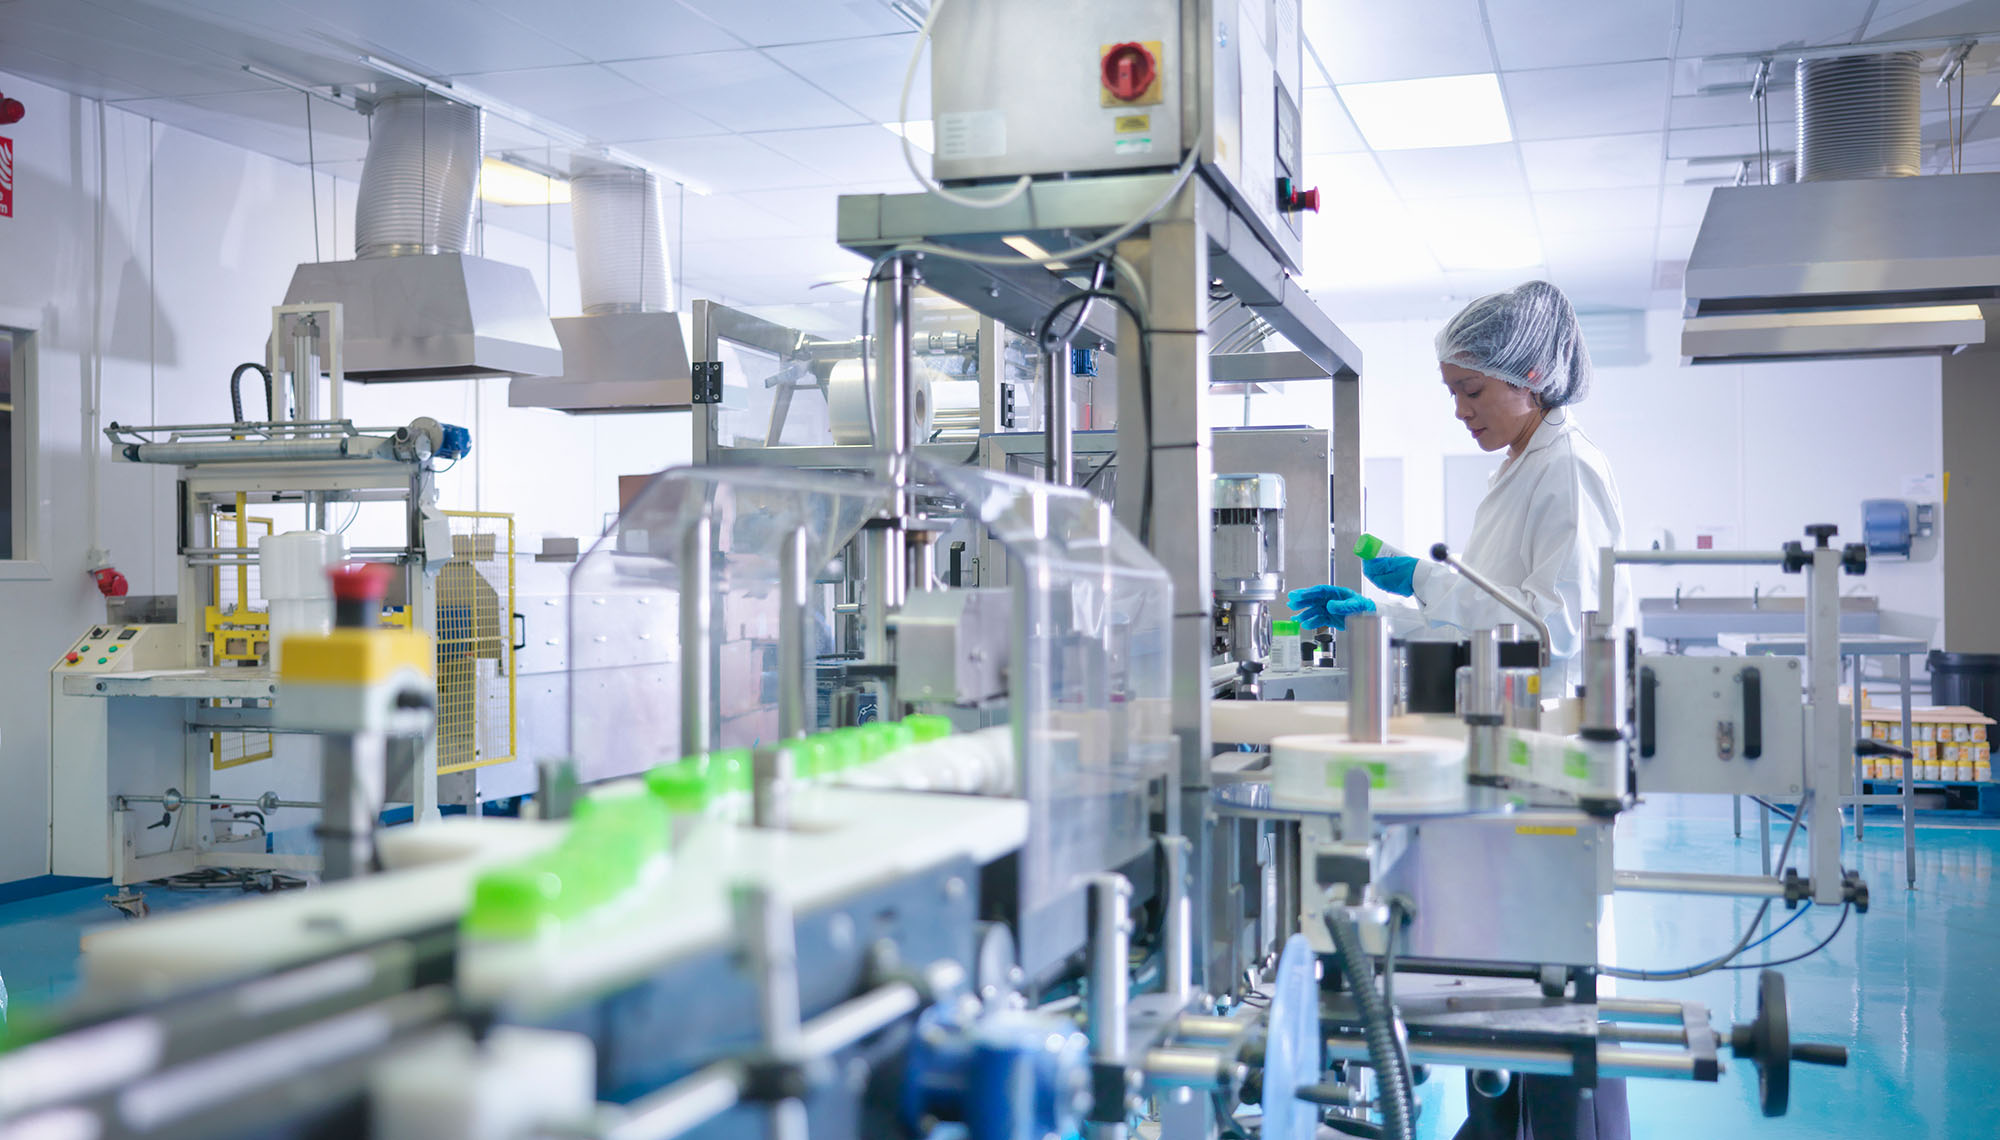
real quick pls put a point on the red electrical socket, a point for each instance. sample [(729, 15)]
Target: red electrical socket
[(111, 583), (11, 111), (1129, 71)]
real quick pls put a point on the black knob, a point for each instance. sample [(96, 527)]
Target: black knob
[(1440, 552), (1854, 558), (1822, 533)]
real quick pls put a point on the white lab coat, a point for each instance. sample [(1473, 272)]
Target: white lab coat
[(1536, 535)]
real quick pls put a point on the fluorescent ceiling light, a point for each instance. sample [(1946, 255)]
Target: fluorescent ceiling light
[(1412, 114), (1026, 247), (918, 131), (504, 184), (1996, 100)]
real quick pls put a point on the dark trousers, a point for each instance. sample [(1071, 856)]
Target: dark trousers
[(1548, 1108)]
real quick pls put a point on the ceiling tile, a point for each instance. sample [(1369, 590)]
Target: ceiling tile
[(1717, 27), (1492, 233), (1455, 172), (435, 37), (742, 90), (101, 52), (1922, 19), (1593, 211), (1723, 142), (726, 217), (799, 212), (727, 163), (865, 74), (1631, 246), (846, 154), (619, 29), (594, 100), (1595, 163), (769, 22), (1684, 205), (1675, 242), (1568, 33), (1573, 102), (1363, 41), (268, 122), (803, 262), (1326, 127), (1729, 110)]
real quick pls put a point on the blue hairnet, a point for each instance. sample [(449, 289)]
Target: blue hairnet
[(1527, 336)]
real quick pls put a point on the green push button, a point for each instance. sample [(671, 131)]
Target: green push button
[(102, 660), (114, 649)]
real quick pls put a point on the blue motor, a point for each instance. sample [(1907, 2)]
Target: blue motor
[(457, 442), (1006, 1075)]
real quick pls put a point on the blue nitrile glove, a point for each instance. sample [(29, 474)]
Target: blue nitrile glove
[(1319, 606), (1396, 575)]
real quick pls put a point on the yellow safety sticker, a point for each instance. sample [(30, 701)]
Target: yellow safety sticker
[(1544, 829), (1132, 124)]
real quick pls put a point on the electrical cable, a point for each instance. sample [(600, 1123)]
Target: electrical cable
[(1821, 945), (1393, 1097), (1716, 963), (1083, 297), (236, 391)]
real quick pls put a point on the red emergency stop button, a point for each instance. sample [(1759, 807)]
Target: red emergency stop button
[(1305, 200), (71, 657), (1129, 71)]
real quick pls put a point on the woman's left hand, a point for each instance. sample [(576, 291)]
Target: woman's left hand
[(1396, 575)]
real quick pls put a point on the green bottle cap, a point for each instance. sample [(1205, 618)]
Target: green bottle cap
[(1284, 629), (729, 770), (926, 727), (1367, 546), (682, 787), (519, 901)]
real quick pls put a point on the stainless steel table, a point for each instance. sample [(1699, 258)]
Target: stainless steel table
[(1855, 648)]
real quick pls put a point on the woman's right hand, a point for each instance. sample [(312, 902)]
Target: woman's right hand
[(1321, 606)]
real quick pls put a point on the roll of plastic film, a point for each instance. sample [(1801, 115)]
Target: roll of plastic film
[(291, 574), (847, 400), (1409, 772)]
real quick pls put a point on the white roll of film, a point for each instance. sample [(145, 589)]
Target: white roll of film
[(1404, 773), (847, 401), (291, 574)]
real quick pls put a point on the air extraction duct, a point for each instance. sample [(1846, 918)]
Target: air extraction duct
[(1860, 256), (625, 353), (416, 305)]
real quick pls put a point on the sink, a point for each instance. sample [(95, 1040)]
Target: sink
[(1701, 619)]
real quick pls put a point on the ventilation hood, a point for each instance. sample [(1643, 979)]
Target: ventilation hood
[(613, 362), (1877, 266), (415, 305), (626, 352), (440, 316)]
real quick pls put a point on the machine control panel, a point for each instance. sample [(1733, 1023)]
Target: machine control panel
[(122, 649)]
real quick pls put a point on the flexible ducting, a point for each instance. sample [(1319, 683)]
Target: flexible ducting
[(423, 168), (1859, 116), (619, 221)]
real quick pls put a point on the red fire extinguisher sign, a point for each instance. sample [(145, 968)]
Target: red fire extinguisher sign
[(6, 178)]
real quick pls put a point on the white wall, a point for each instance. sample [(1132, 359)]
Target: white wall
[(1760, 448), (199, 241)]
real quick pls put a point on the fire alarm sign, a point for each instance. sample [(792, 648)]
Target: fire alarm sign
[(6, 178)]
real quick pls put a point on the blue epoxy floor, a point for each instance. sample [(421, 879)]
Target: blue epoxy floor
[(1912, 987)]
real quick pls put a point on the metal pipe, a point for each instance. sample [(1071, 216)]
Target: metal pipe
[(1177, 955), (353, 783), (1691, 883), (1485, 696), (770, 945), (1708, 557), (696, 611), (1059, 444), (1642, 1034), (853, 1020), (794, 648), (1204, 1029), (892, 395), (1612, 1060), (1641, 1009), (247, 451), (249, 554), (1364, 645), (1603, 682), (1108, 925), (683, 1106), (1443, 554), (772, 770), (1189, 1068)]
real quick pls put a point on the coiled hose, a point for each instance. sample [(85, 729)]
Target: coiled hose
[(1393, 1097), (236, 392)]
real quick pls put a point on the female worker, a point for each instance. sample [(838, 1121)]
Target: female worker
[(1514, 364)]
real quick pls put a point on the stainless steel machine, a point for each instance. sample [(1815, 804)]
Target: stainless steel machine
[(1041, 883)]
